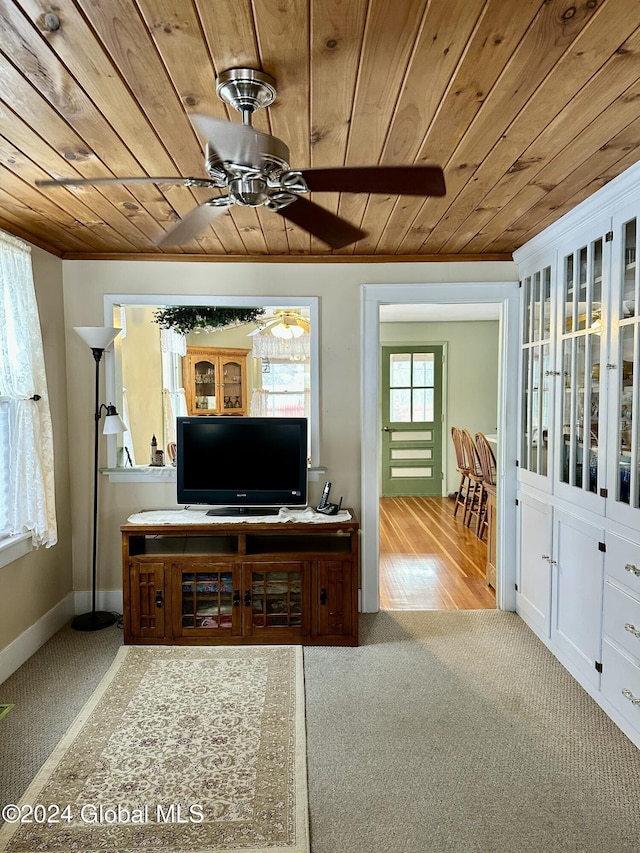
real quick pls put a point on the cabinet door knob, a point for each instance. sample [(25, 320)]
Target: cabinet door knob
[(323, 596), (236, 598), (158, 598), (632, 629), (247, 598), (633, 570)]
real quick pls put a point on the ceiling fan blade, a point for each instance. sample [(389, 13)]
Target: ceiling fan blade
[(96, 182), (234, 143), (193, 224), (323, 224), (262, 327), (395, 180)]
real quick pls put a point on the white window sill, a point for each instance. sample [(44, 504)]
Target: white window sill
[(141, 474), (13, 547), (167, 474)]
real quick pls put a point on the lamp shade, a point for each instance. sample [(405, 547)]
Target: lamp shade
[(113, 423), (97, 337)]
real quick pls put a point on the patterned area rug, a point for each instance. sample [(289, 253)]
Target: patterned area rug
[(179, 750)]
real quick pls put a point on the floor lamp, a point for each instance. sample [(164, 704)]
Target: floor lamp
[(98, 338)]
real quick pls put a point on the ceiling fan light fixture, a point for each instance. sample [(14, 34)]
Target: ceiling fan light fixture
[(282, 331), (248, 192)]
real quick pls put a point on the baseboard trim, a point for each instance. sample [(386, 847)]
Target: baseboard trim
[(20, 650), (106, 599)]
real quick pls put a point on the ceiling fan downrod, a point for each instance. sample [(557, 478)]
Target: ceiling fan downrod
[(246, 90)]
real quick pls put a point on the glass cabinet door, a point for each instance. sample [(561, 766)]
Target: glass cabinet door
[(275, 599), (536, 374), (626, 486), (581, 331), (232, 381), (214, 380), (210, 601), (205, 379)]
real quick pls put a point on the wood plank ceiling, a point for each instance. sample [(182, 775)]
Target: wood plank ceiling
[(529, 106)]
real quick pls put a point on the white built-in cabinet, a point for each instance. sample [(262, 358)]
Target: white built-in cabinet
[(578, 583)]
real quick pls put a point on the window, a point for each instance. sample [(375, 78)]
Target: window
[(285, 388), (27, 499), (5, 442)]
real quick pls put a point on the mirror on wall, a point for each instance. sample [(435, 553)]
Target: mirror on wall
[(265, 367)]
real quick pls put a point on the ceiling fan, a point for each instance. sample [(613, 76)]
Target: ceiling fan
[(253, 168), (285, 323)]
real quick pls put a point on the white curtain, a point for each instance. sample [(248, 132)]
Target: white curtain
[(171, 341), (174, 403), (266, 345), (129, 456), (31, 500)]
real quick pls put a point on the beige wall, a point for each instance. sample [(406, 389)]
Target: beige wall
[(35, 583), (471, 374), (338, 287)]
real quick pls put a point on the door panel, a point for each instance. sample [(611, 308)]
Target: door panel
[(412, 421), (577, 591), (533, 599)]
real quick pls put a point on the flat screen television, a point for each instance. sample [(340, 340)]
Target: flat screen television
[(242, 465)]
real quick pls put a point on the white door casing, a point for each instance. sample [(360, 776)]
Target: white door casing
[(506, 295)]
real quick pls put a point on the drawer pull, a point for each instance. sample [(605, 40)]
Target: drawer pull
[(635, 700), (633, 570), (632, 629)]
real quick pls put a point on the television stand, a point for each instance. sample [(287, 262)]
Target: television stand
[(241, 582)]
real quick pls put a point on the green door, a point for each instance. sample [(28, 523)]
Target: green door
[(412, 421)]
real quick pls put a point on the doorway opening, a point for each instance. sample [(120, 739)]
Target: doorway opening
[(502, 298), (431, 556)]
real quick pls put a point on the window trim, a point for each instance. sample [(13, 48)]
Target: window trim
[(14, 547)]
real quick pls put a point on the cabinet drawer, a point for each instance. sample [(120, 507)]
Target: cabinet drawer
[(622, 619), (622, 562), (620, 683)]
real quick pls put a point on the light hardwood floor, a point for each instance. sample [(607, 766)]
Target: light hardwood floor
[(428, 559)]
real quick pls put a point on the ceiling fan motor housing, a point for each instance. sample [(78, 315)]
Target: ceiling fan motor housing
[(272, 161)]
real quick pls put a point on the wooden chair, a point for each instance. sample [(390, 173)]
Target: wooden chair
[(462, 466), (488, 467), (473, 498)]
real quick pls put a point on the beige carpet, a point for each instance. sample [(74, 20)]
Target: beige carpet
[(179, 750), (459, 732)]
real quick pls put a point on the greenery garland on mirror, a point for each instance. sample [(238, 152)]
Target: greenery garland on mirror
[(189, 318)]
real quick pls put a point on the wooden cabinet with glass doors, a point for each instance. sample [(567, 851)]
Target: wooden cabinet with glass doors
[(215, 380)]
